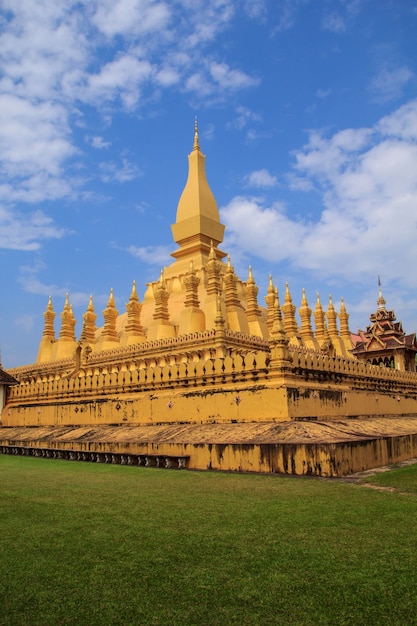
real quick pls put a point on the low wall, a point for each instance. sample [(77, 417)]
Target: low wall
[(239, 402), (230, 389), (319, 459)]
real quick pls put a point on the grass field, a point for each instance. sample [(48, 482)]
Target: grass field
[(85, 543)]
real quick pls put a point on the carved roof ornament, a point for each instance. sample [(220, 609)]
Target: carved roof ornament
[(270, 301), (49, 316), (279, 340), (305, 315), (191, 282), (213, 272), (252, 308), (289, 309), (332, 319), (344, 320), (68, 321), (89, 326), (230, 280), (381, 301), (110, 316), (133, 308), (319, 320), (134, 294), (381, 314)]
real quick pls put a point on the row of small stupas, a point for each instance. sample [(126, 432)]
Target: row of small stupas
[(152, 319), (199, 291)]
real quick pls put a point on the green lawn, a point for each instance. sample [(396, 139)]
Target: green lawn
[(404, 479), (86, 543)]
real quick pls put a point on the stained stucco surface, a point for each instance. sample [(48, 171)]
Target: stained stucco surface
[(253, 433)]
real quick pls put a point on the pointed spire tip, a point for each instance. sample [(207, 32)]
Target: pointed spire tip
[(196, 142)]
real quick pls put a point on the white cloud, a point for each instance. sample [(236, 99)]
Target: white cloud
[(130, 17), (368, 223), (167, 76), (339, 20), (244, 116), (288, 11), (230, 79), (218, 79), (255, 8), (334, 23), (56, 57), (401, 124), (118, 79), (18, 232), (254, 135), (37, 188), (261, 178), (388, 84), (260, 230), (31, 283), (153, 255), (99, 143), (34, 137), (322, 157), (205, 19), (121, 173), (323, 93)]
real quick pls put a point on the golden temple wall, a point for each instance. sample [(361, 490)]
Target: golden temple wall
[(234, 388)]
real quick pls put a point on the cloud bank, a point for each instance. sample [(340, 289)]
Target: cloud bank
[(367, 185)]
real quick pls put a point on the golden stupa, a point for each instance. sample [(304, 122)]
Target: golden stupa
[(199, 374)]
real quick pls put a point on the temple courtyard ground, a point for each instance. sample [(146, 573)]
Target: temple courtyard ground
[(104, 544)]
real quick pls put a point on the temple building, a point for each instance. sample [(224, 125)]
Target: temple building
[(384, 342), (203, 373), (6, 381)]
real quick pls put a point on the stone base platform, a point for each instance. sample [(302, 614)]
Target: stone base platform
[(320, 448)]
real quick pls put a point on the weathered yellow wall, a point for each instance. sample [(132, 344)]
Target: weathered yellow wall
[(332, 459), (238, 403), (217, 390), (167, 406)]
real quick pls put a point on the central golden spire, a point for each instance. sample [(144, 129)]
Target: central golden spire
[(198, 221)]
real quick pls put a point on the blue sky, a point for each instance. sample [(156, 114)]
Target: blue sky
[(307, 113)]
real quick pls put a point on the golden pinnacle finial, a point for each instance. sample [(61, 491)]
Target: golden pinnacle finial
[(287, 293), (304, 301), (134, 293), (381, 301), (196, 144)]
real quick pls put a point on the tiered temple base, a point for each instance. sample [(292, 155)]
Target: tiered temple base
[(336, 448)]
